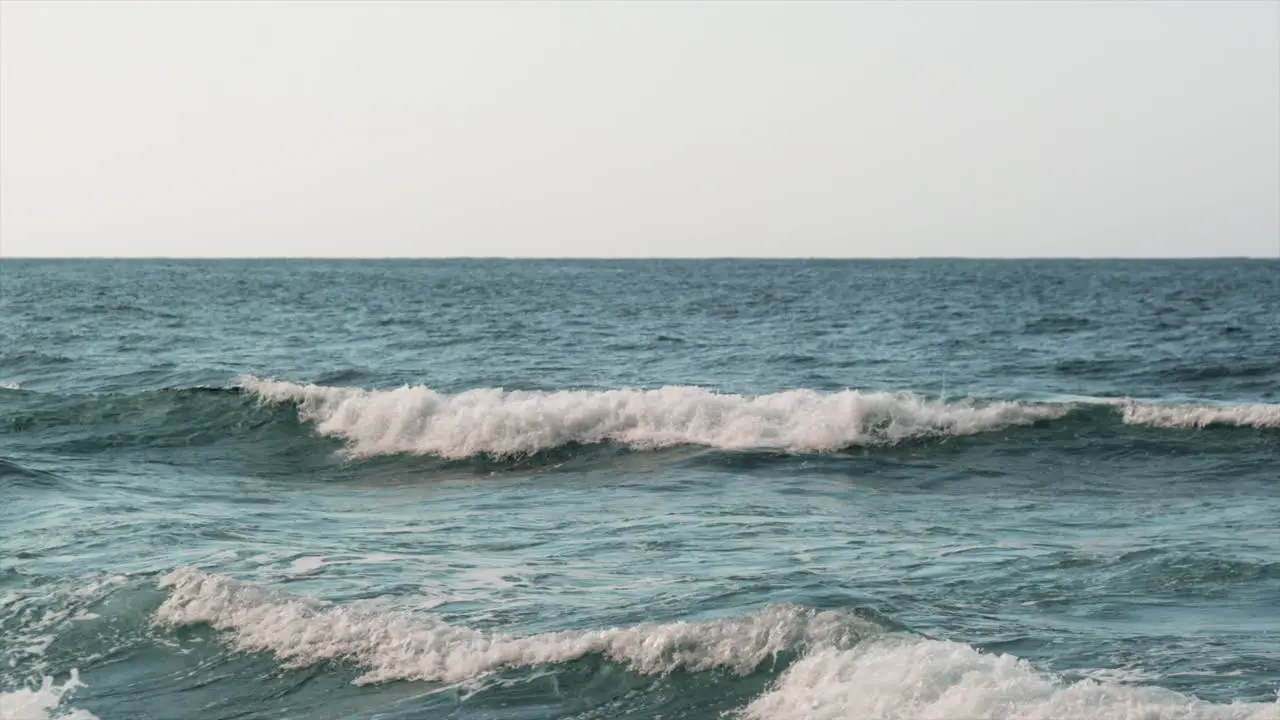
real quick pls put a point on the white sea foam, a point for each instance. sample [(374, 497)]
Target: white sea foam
[(43, 703), (408, 646), (33, 618), (10, 385), (1201, 416), (918, 679), (508, 423)]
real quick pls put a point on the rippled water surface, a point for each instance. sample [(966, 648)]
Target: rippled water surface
[(714, 489)]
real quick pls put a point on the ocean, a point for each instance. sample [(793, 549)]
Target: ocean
[(767, 490)]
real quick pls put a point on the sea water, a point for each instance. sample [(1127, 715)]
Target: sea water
[(644, 489)]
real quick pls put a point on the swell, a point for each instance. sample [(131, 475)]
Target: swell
[(833, 663), (1222, 371), (11, 473), (154, 419)]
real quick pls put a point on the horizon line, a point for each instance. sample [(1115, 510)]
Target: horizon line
[(631, 258)]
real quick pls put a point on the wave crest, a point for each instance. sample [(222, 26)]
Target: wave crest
[(844, 666), (403, 646), (505, 423)]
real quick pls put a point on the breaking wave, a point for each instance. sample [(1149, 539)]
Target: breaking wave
[(402, 646), (845, 666), (508, 423), (503, 423), (914, 679)]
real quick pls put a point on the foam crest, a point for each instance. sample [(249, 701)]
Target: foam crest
[(391, 645), (511, 423), (42, 703), (916, 679), (1202, 416)]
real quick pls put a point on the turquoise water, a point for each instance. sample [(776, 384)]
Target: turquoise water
[(715, 489)]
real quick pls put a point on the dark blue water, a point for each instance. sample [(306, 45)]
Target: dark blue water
[(515, 489)]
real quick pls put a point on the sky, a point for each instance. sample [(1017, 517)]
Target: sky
[(646, 129)]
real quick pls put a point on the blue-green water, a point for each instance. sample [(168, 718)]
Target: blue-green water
[(500, 489)]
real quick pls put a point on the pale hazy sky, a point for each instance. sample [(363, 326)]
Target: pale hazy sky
[(645, 129)]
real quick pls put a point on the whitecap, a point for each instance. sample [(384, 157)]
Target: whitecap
[(1255, 415)]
